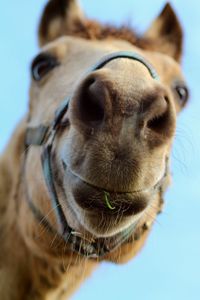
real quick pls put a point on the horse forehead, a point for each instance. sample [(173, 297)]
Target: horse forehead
[(69, 47), (79, 51)]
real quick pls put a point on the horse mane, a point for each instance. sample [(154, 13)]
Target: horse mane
[(92, 30)]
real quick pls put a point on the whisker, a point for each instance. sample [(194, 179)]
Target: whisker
[(49, 213), (53, 240), (153, 218)]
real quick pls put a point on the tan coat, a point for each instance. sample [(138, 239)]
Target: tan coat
[(34, 263)]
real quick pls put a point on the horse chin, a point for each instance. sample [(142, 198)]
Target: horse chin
[(102, 226)]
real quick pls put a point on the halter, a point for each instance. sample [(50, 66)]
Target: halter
[(44, 136)]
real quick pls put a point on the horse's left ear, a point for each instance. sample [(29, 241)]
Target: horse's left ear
[(166, 32), (60, 17)]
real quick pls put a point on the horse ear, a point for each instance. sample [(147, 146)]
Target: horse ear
[(167, 33), (60, 17)]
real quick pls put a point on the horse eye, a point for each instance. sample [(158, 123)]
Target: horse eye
[(182, 94), (43, 64)]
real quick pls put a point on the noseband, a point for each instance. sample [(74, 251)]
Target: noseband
[(44, 136)]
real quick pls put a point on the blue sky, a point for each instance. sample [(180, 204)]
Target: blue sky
[(169, 265)]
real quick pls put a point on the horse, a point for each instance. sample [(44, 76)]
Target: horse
[(84, 174)]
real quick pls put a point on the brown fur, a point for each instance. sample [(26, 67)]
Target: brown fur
[(167, 27), (36, 264)]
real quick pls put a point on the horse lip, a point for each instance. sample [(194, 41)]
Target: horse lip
[(66, 167), (93, 199)]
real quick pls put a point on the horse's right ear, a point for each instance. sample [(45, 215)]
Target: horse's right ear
[(60, 17)]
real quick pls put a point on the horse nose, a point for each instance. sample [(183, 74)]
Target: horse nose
[(98, 102), (92, 101)]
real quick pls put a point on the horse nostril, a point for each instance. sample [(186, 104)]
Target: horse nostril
[(158, 123), (159, 120), (91, 102)]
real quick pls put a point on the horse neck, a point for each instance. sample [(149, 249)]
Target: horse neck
[(26, 272), (12, 248), (10, 168)]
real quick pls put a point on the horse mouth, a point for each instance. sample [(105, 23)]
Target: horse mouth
[(92, 198), (104, 213)]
